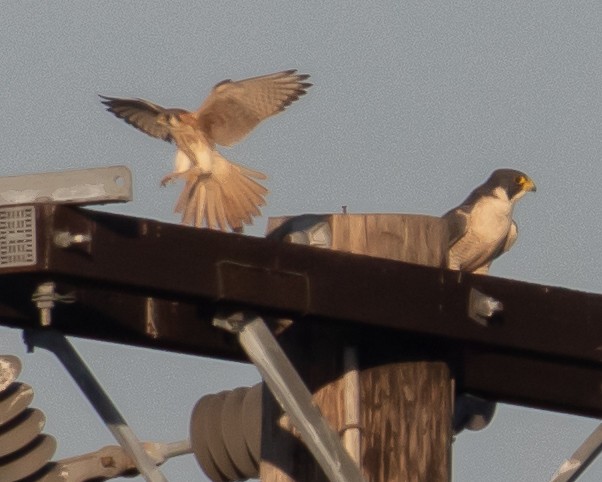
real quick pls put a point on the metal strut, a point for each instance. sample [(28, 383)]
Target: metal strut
[(55, 342), (573, 467), (58, 344), (293, 396)]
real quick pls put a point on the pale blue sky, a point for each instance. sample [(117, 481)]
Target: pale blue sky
[(414, 104)]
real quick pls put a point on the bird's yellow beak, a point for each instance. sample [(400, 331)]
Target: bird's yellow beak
[(527, 184)]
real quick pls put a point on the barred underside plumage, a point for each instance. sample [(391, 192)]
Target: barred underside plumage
[(482, 228)]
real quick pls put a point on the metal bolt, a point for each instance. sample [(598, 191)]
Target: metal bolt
[(482, 307), (44, 300), (233, 323), (44, 297), (65, 239)]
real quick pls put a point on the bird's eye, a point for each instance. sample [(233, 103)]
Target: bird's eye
[(520, 180)]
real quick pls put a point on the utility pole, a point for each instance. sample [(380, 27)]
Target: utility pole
[(373, 328), (403, 395)]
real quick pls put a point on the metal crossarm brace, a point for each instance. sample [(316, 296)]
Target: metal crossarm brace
[(58, 344), (293, 396), (573, 467)]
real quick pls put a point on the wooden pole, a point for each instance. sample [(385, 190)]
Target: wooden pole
[(402, 393), (351, 397)]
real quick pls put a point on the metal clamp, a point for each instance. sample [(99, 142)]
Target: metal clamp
[(481, 308), (45, 297), (65, 239)]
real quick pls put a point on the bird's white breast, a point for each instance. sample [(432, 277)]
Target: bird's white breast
[(181, 162), (490, 220), (203, 158)]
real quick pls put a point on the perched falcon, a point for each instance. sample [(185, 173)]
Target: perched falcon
[(482, 228), (217, 193)]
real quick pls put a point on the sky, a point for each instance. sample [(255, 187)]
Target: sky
[(414, 104)]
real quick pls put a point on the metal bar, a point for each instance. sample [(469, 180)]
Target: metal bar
[(108, 462), (58, 344), (546, 337), (117, 316), (573, 467), (78, 186), (293, 396), (174, 449), (525, 379), (301, 281)]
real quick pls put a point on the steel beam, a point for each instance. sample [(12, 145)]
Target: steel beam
[(155, 284)]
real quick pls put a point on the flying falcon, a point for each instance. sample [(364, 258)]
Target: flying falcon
[(217, 192), (482, 228)]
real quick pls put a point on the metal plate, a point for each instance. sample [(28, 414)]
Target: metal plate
[(78, 186), (17, 236)]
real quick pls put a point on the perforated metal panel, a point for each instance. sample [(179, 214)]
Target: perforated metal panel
[(17, 236)]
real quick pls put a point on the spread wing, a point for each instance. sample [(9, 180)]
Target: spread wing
[(233, 109), (143, 115)]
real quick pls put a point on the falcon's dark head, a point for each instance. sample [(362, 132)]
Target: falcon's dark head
[(515, 183)]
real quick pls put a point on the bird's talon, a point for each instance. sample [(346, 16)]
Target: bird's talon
[(166, 180)]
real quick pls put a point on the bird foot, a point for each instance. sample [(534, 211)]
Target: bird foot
[(169, 178)]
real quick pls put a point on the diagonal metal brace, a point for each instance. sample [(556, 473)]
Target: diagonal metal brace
[(293, 396), (573, 467), (58, 344)]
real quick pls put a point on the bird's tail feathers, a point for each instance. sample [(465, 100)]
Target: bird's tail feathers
[(245, 171), (225, 199)]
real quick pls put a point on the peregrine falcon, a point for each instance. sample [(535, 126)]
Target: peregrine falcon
[(217, 193), (482, 228)]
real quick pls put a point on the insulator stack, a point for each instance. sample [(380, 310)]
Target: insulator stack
[(24, 450), (225, 433)]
